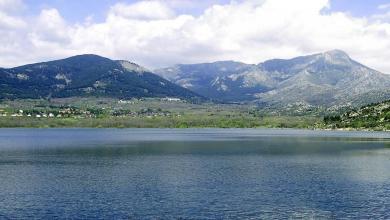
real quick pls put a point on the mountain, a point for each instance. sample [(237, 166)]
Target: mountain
[(374, 116), (327, 79), (223, 80), (86, 75)]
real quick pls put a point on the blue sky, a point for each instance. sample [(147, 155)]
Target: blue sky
[(160, 33), (358, 7), (78, 10)]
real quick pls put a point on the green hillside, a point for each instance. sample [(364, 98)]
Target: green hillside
[(86, 76), (374, 117)]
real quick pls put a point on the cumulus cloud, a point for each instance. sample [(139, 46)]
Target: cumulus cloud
[(152, 33), (142, 10)]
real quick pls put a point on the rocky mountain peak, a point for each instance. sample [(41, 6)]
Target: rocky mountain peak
[(336, 57), (132, 67)]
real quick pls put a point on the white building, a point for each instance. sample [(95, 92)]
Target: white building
[(170, 99)]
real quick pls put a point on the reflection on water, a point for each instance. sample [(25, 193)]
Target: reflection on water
[(194, 173)]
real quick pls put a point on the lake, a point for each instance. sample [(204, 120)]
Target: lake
[(193, 174)]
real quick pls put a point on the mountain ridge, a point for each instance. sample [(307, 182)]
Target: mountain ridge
[(323, 79), (86, 75)]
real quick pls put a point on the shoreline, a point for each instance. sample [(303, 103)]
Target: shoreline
[(206, 128)]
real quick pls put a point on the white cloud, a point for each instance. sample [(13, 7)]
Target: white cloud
[(384, 14), (384, 17), (152, 34), (11, 5), (142, 10), (10, 22), (51, 27), (8, 14), (384, 6)]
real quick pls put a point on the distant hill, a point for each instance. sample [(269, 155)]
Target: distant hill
[(373, 116), (86, 75), (326, 79)]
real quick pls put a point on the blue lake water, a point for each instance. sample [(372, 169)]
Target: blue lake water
[(193, 174)]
